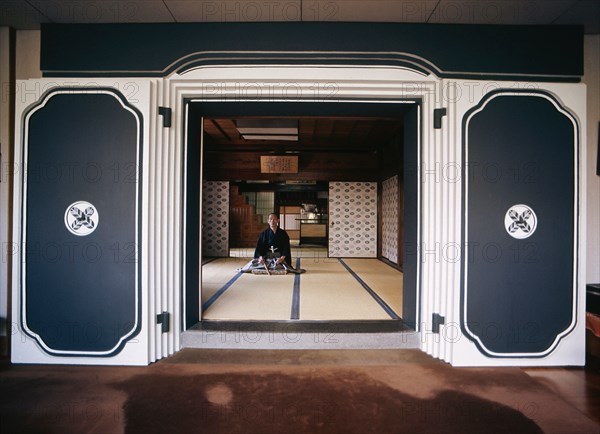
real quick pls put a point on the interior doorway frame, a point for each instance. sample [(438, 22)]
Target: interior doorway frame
[(400, 108), (388, 86)]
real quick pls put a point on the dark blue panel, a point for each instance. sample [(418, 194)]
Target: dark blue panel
[(80, 291), (447, 50), (519, 292)]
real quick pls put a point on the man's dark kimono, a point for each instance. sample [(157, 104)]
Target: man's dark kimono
[(280, 240)]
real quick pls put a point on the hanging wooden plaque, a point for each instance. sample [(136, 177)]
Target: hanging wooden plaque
[(278, 164)]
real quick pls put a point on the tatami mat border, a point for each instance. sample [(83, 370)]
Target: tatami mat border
[(295, 314)]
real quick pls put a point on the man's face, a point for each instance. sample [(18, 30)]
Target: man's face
[(273, 221)]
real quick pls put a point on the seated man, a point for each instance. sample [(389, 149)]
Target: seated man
[(273, 243), (273, 254)]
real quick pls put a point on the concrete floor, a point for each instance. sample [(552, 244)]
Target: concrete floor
[(271, 391)]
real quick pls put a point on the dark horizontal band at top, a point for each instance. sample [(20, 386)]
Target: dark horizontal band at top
[(459, 51)]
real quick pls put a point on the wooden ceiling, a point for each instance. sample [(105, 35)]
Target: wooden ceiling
[(315, 134)]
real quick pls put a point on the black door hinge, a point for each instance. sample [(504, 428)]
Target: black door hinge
[(164, 319), (165, 112), (436, 321), (438, 114)]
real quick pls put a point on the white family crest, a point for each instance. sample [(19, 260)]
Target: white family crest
[(81, 218), (520, 221)]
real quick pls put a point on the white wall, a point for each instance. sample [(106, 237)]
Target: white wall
[(592, 79), (28, 54)]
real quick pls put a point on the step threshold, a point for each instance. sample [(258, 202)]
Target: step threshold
[(300, 335)]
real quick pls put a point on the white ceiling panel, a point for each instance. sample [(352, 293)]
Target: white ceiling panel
[(234, 10), (586, 12), (20, 15), (103, 11), (401, 11), (499, 12)]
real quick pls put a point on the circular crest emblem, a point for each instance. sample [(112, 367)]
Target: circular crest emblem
[(520, 221), (81, 218)]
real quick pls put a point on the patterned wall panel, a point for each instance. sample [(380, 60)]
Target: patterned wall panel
[(215, 218), (353, 219), (389, 210)]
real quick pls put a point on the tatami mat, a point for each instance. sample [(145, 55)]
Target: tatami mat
[(217, 273), (381, 278), (249, 297), (327, 291)]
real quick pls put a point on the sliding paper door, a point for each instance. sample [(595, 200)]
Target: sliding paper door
[(353, 219), (215, 218)]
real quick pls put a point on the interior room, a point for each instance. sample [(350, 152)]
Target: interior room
[(337, 184)]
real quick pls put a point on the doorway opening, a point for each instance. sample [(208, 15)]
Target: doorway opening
[(342, 180)]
